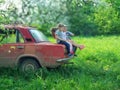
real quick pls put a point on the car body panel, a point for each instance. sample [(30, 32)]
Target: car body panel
[(9, 53)]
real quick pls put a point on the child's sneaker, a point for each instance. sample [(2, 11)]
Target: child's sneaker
[(70, 54)]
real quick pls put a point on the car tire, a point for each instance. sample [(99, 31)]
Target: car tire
[(29, 65)]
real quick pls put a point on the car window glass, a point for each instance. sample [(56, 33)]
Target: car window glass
[(38, 36), (12, 36), (9, 37), (21, 40)]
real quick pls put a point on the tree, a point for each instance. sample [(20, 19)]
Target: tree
[(107, 19), (83, 17), (79, 13)]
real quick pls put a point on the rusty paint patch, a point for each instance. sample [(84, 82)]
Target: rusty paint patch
[(12, 47)]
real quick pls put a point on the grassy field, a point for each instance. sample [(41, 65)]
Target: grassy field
[(97, 67)]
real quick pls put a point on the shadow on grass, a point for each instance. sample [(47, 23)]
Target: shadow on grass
[(66, 71)]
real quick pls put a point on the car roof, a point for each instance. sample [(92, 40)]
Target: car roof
[(11, 27), (16, 26)]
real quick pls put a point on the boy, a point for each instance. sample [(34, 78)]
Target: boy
[(68, 34)]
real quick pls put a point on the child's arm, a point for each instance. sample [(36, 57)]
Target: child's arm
[(57, 37), (70, 33)]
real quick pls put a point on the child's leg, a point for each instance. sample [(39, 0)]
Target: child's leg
[(77, 45), (74, 49), (71, 47), (67, 45)]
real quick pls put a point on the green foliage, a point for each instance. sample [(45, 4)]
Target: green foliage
[(92, 18), (95, 68), (83, 17), (80, 13), (3, 20), (107, 20), (115, 4)]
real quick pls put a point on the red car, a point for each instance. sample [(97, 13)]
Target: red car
[(28, 49)]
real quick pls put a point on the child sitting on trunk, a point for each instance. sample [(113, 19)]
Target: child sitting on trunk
[(63, 37)]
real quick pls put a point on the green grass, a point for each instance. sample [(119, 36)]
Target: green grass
[(97, 67)]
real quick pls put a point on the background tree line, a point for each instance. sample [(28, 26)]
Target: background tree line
[(83, 17)]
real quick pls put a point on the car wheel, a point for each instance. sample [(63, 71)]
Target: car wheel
[(28, 65)]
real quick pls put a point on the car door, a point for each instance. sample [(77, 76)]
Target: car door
[(12, 46)]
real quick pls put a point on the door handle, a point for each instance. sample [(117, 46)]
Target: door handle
[(20, 47)]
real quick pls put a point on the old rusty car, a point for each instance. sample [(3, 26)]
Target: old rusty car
[(28, 49)]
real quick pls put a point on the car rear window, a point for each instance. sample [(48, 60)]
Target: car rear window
[(38, 36)]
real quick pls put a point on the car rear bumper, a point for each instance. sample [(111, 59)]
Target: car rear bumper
[(64, 60)]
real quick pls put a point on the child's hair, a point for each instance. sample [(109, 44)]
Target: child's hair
[(53, 30), (61, 25)]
